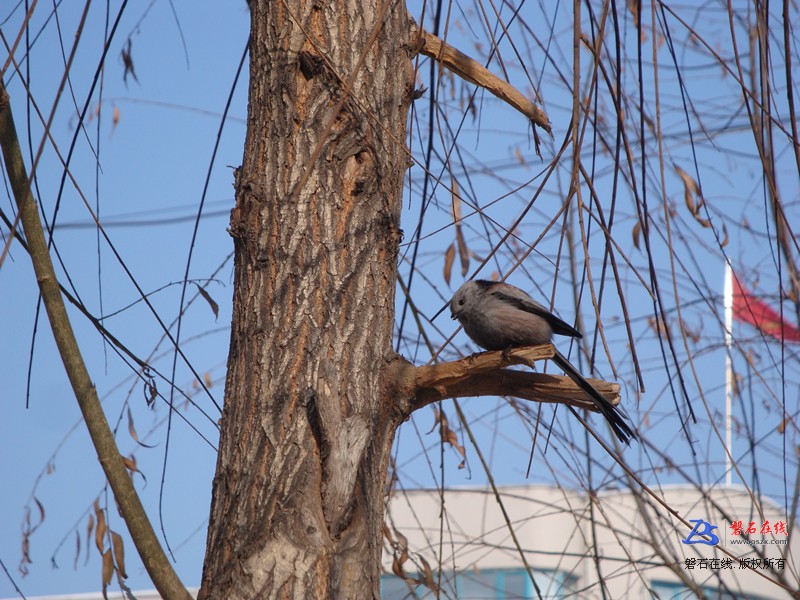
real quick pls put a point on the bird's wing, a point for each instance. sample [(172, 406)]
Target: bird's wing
[(522, 301)]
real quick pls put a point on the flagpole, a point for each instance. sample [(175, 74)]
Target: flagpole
[(728, 369)]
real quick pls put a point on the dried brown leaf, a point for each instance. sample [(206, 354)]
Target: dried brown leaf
[(724, 236), (428, 580), (634, 6), (782, 425), (520, 157), (77, 550), (207, 379), (108, 570), (388, 534), (437, 416), (26, 548), (449, 259), (119, 553), (130, 464), (637, 232), (397, 568), (463, 250), (132, 430), (207, 297), (89, 530), (115, 117), (448, 435), (100, 530), (41, 512), (704, 222), (150, 388), (402, 541), (690, 191), (456, 202)]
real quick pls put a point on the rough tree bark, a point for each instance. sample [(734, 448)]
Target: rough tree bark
[(309, 414)]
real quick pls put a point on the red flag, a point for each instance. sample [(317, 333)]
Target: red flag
[(748, 308)]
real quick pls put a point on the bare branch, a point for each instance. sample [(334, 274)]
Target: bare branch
[(155, 561), (484, 375), (472, 71)]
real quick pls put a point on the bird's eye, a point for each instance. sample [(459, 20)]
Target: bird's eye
[(461, 302)]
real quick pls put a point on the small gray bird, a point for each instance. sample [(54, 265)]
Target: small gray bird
[(499, 316)]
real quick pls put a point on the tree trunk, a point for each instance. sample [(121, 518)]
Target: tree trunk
[(309, 413)]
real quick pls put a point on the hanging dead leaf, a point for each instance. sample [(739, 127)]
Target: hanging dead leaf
[(132, 430), (150, 389), (77, 550), (782, 425), (520, 157), (108, 570), (449, 259), (100, 530), (402, 543), (691, 191), (41, 513), (427, 579), (207, 297), (637, 232), (397, 567), (207, 379), (115, 117), (26, 559), (89, 530), (387, 534), (130, 464), (449, 436), (463, 250), (436, 417), (634, 6), (119, 553), (456, 201), (400, 554), (127, 61), (657, 324), (692, 333), (704, 222)]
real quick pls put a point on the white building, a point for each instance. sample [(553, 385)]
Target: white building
[(553, 529)]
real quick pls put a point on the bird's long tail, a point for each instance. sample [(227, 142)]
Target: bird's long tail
[(609, 411)]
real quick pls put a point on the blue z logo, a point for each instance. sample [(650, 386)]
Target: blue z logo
[(700, 528)]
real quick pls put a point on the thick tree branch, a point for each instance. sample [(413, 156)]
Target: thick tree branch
[(155, 561), (472, 71), (484, 375)]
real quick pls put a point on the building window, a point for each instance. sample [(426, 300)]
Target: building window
[(484, 584), (670, 590)]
